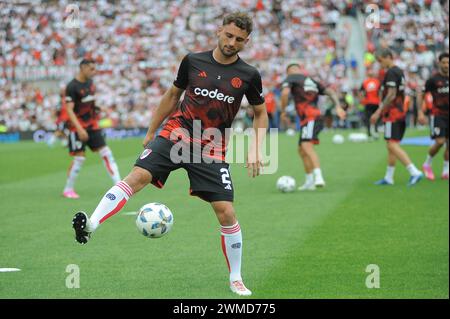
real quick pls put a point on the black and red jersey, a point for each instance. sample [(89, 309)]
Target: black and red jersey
[(82, 94), (213, 95), (437, 85), (305, 92), (394, 78)]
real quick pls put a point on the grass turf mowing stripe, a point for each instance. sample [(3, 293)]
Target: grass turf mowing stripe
[(279, 230), (397, 228)]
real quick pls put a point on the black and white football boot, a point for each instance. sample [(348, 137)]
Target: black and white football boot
[(81, 225)]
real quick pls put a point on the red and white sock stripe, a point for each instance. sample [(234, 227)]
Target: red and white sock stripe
[(230, 230), (126, 188)]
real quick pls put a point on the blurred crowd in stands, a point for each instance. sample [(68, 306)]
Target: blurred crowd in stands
[(138, 46)]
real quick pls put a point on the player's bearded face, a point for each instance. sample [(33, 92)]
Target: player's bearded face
[(232, 39)]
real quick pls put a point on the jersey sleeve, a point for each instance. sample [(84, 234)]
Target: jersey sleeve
[(70, 94), (182, 79), (429, 86), (321, 87), (392, 80), (254, 92), (286, 83)]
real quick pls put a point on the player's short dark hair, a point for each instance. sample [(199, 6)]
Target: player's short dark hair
[(86, 62), (241, 19), (443, 55), (384, 53)]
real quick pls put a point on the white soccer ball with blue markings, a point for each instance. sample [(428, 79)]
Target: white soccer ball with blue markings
[(286, 184), (154, 220)]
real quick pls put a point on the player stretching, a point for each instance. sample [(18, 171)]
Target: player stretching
[(437, 85), (394, 114), (215, 83), (305, 92), (84, 128)]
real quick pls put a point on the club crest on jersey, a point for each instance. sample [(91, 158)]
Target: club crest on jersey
[(145, 153), (236, 82), (203, 74)]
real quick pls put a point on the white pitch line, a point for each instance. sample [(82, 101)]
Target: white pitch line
[(9, 269), (129, 213)]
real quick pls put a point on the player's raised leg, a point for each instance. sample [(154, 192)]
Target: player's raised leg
[(111, 203), (231, 238)]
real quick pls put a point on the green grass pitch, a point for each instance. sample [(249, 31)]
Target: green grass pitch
[(297, 245)]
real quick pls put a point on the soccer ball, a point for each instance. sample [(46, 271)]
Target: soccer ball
[(286, 184), (338, 139), (290, 132), (154, 220)]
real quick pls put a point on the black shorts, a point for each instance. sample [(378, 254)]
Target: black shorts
[(439, 126), (95, 141), (394, 131), (310, 132), (209, 181)]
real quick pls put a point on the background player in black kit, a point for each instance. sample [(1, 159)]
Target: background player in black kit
[(394, 118), (84, 128), (305, 92), (214, 83), (437, 85)]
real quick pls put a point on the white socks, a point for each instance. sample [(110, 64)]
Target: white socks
[(389, 177), (445, 170), (412, 169), (318, 174), (110, 164), (111, 203), (232, 249), (309, 179), (72, 174)]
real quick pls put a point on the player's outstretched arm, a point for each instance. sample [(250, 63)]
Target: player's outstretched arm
[(260, 125), (337, 104), (166, 107)]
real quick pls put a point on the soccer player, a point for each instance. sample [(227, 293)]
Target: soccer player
[(305, 92), (394, 117), (84, 128), (214, 83), (371, 100), (437, 86)]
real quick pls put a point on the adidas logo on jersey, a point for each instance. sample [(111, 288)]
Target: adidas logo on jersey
[(228, 187), (214, 95)]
